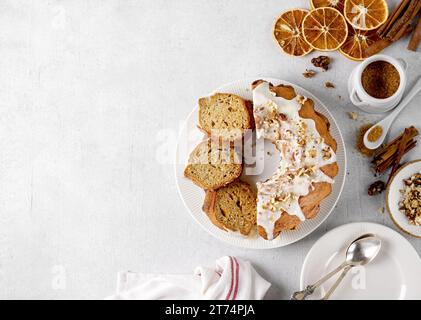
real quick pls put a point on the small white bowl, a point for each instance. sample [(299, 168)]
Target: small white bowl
[(393, 197)]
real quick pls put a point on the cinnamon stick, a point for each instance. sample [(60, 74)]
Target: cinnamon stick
[(416, 37), (397, 26), (412, 132), (377, 47), (391, 154), (401, 149), (383, 43), (392, 18), (406, 18), (389, 162)]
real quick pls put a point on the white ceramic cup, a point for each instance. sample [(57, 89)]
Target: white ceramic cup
[(360, 98)]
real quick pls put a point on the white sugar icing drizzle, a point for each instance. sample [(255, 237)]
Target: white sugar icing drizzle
[(303, 152)]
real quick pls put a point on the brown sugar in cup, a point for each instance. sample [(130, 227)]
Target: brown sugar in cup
[(380, 79), (379, 94)]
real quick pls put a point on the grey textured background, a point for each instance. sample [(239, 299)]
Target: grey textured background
[(89, 90)]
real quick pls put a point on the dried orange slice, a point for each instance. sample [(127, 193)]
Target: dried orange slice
[(325, 29), (337, 4), (366, 14), (356, 43), (288, 35)]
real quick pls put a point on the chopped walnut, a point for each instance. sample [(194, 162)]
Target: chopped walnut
[(410, 203), (326, 154), (301, 99), (271, 115), (353, 115), (282, 117), (309, 73), (321, 62), (312, 153), (300, 172), (301, 142), (310, 170), (329, 85), (376, 188)]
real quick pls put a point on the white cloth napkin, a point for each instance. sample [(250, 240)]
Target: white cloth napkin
[(230, 279)]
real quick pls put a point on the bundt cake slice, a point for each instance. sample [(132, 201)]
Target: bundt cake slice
[(232, 207), (213, 164), (225, 116)]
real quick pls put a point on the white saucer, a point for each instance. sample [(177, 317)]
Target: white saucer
[(393, 197), (393, 274)]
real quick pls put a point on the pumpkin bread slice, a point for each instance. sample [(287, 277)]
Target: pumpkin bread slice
[(232, 207), (213, 164), (225, 116)]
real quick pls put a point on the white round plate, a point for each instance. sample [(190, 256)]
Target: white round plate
[(193, 196), (393, 274), (393, 197)]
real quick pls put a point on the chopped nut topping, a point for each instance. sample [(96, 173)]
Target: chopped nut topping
[(310, 170), (353, 115), (312, 153), (271, 115), (329, 85), (300, 172), (321, 62), (282, 117), (410, 203), (302, 125), (309, 73), (283, 198), (301, 99), (326, 154)]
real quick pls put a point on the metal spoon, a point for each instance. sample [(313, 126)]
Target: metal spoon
[(360, 252), (387, 121)]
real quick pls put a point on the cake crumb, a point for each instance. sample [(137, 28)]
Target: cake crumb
[(353, 115)]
